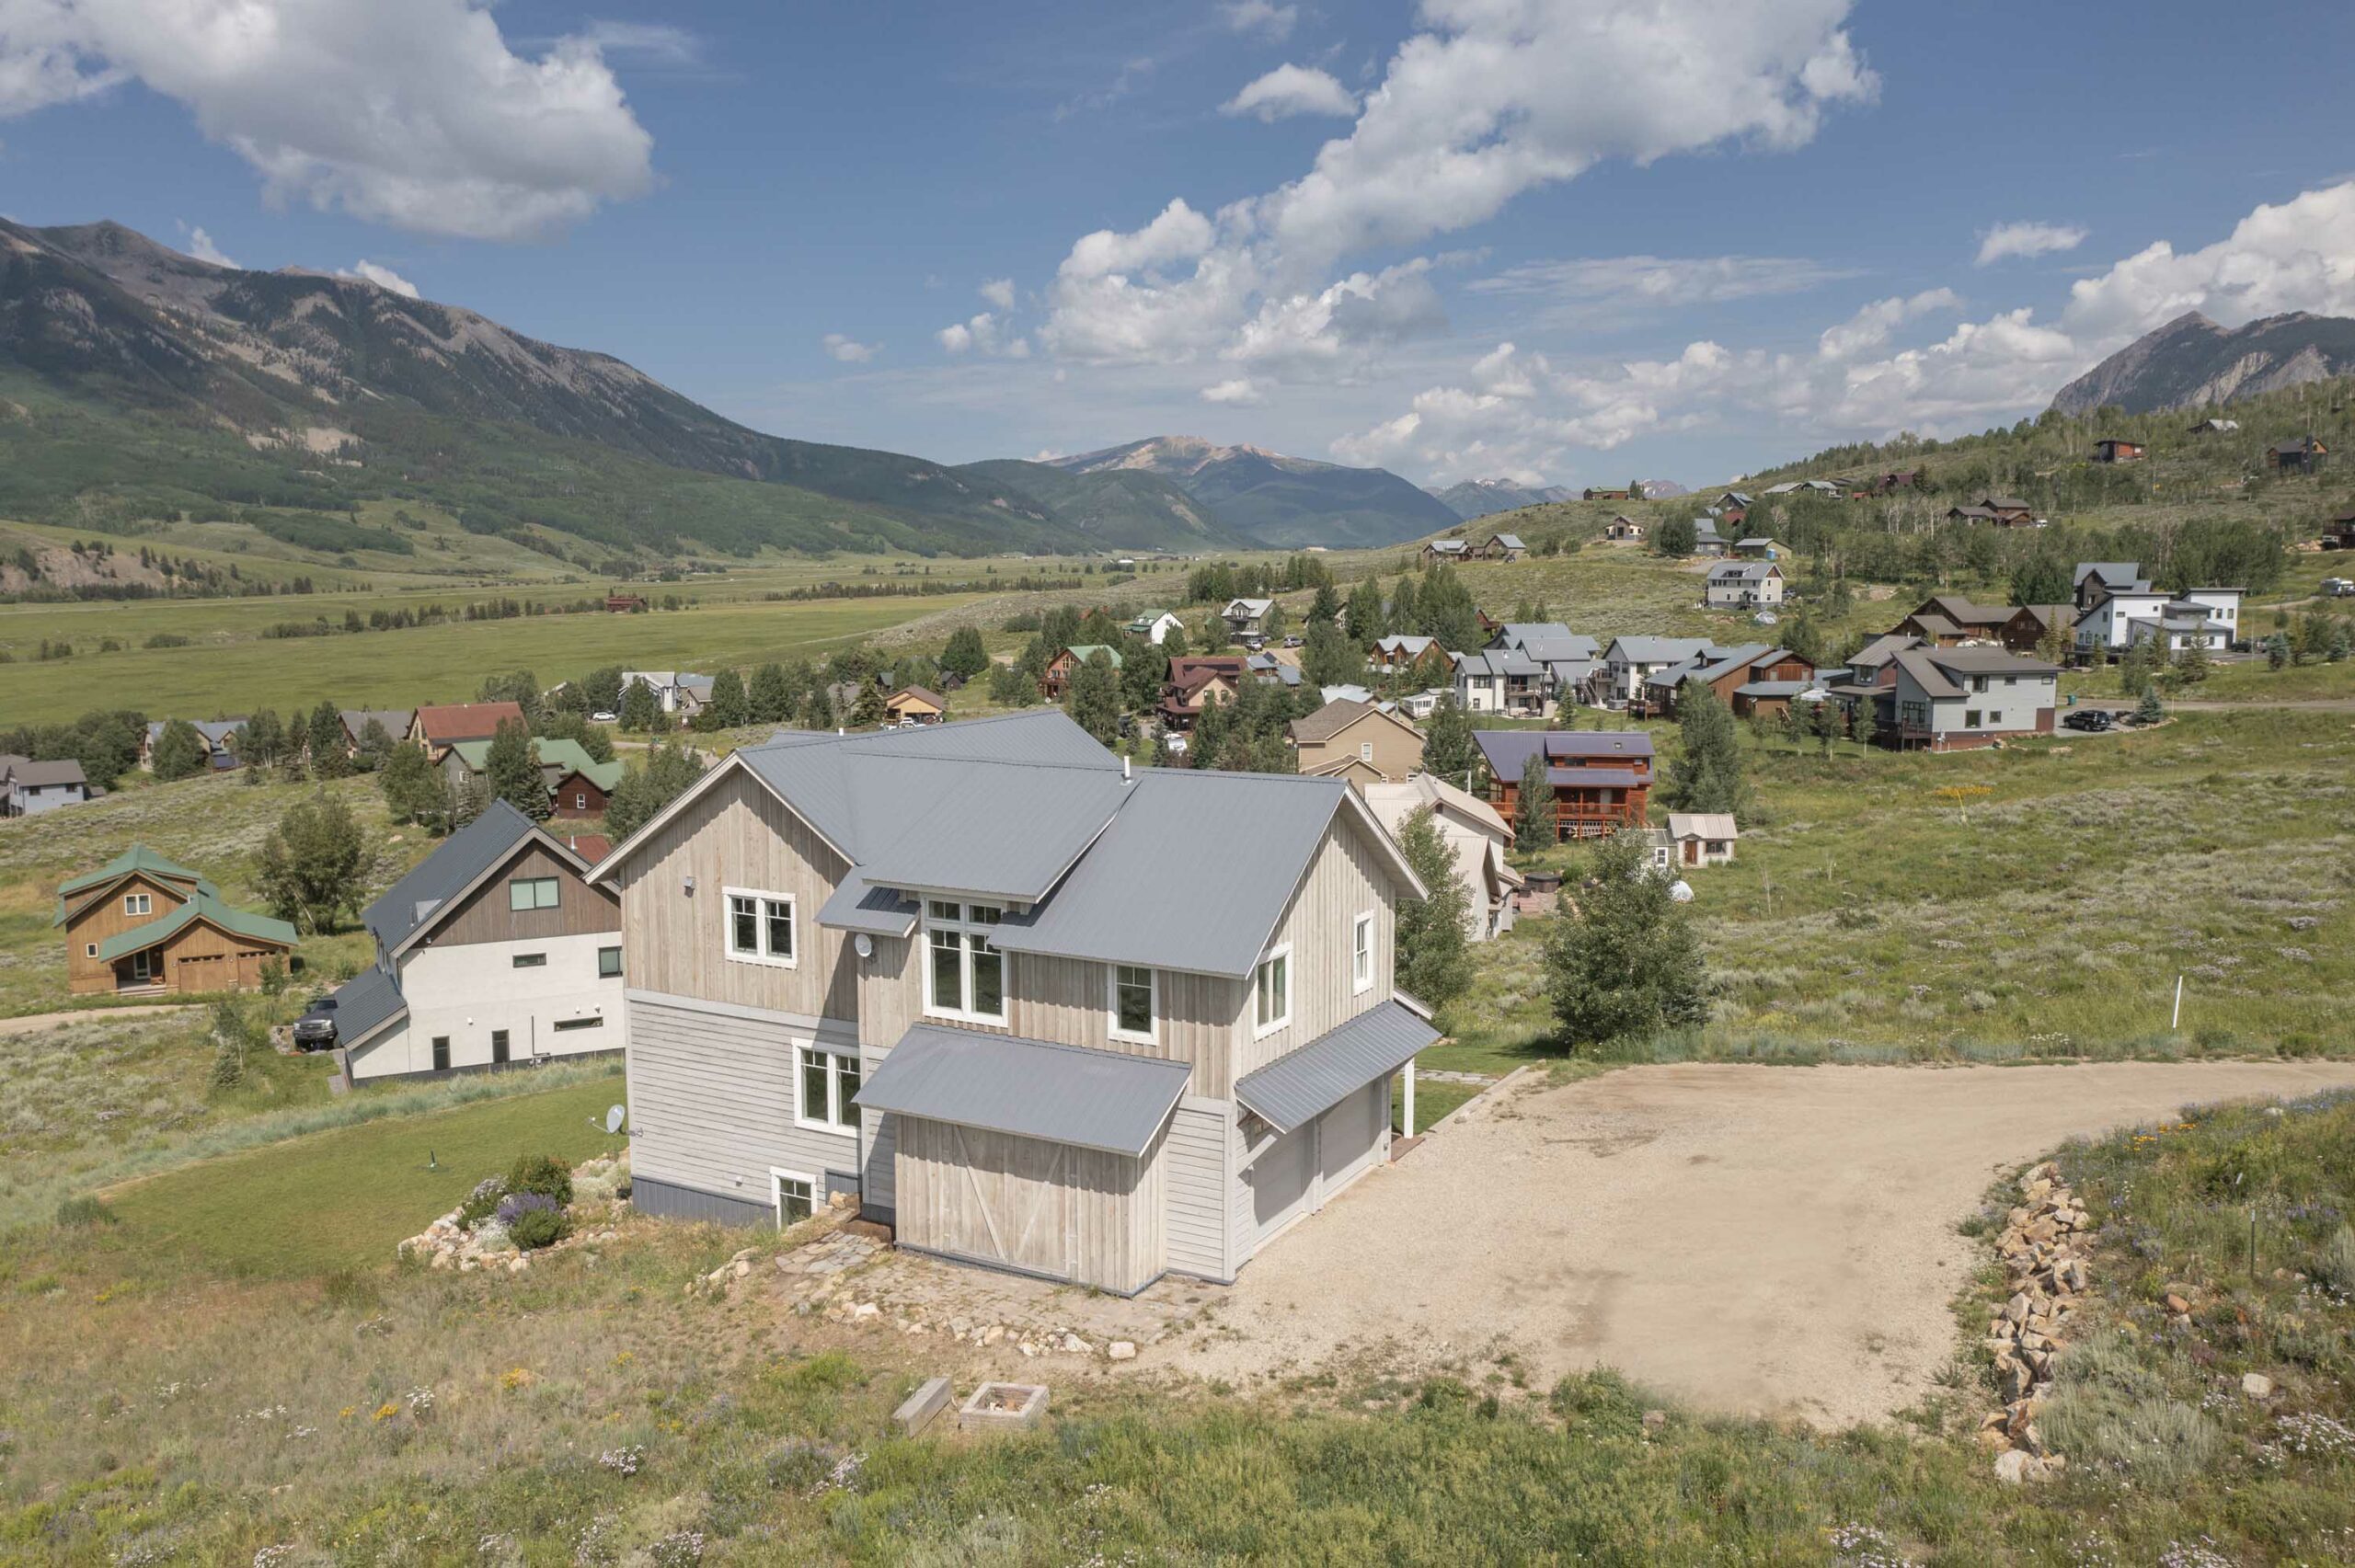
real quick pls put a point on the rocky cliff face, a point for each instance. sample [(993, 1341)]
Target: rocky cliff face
[(2191, 362)]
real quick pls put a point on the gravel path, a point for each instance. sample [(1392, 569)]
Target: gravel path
[(1778, 1240)]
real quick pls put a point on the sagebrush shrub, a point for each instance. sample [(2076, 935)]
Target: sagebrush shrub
[(542, 1173)]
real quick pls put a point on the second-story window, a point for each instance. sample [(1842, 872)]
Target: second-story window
[(1361, 953), (532, 893), (1132, 1003), (1271, 991), (138, 903), (759, 927), (966, 977)]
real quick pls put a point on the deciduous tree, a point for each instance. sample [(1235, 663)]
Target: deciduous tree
[(1627, 961), (671, 770), (1707, 776), (309, 867), (1434, 963), (1534, 824)]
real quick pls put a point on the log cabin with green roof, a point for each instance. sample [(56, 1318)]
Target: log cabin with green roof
[(145, 925)]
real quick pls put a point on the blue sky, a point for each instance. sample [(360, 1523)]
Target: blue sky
[(1573, 239)]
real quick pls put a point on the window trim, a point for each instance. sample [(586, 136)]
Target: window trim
[(836, 1100), (586, 1021), (965, 928), (1359, 984), (1151, 1035), (139, 903), (1282, 1021), (778, 1176), (761, 898), (615, 972)]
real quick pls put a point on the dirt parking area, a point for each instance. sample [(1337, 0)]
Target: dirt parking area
[(1778, 1240)]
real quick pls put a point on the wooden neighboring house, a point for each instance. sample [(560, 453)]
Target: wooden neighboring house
[(1397, 654), (495, 950), (1703, 838), (437, 729), (1144, 1036), (1744, 585), (142, 923), (29, 788), (1707, 543), (579, 785), (1364, 740), (1440, 552), (220, 738), (1948, 620), (1196, 681), (1601, 778), (1477, 839), (2113, 448), (2004, 511), (1065, 664), (1771, 676), (1624, 528), (2214, 426), (624, 603), (916, 704), (1595, 493), (2338, 534), (1757, 547), (2305, 454), (397, 724), (1504, 547)]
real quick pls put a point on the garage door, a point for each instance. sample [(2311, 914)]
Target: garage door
[(1281, 1179), (1350, 1136)]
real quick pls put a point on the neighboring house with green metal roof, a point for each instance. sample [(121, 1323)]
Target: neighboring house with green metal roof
[(143, 923), (577, 785)]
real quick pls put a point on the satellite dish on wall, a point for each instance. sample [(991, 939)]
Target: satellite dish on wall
[(865, 943), (613, 1119)]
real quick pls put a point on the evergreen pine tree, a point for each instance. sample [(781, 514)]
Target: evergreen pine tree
[(729, 707), (179, 751), (1534, 827), (1708, 775), (965, 656), (640, 709), (868, 712), (329, 759), (1366, 626), (513, 773), (1326, 608), (412, 789), (1434, 962), (1448, 748)]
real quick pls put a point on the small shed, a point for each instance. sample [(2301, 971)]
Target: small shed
[(1703, 838)]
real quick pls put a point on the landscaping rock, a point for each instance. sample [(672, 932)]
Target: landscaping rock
[(1121, 1350), (2256, 1385), (2038, 1249)]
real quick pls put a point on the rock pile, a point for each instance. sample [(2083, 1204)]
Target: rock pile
[(2043, 1250), (447, 1244)]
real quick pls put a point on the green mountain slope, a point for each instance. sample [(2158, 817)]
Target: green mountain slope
[(144, 382), (1126, 509), (1473, 499), (1282, 500)]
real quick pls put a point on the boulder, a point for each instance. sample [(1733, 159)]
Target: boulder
[(2256, 1385), (1121, 1350)]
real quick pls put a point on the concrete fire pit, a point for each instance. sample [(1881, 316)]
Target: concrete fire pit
[(1003, 1407)]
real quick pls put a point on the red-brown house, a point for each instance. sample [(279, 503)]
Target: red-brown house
[(1601, 778), (2112, 449)]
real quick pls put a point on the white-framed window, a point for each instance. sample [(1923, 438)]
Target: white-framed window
[(760, 928), (532, 893), (138, 903), (1361, 952), (581, 800), (1271, 991), (964, 972), (89, 950), (827, 1080), (1135, 1003), (1365, 751), (794, 1196)]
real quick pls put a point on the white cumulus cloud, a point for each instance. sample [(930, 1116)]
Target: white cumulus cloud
[(2005, 241), (983, 333), (1260, 17), (368, 272), (1471, 112), (418, 114), (848, 349), (999, 292), (1239, 391), (1289, 90), (199, 245)]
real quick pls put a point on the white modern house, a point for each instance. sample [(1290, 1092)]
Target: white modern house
[(2116, 617), (1155, 627), (1474, 835), (1628, 662), (1744, 585), (496, 951)]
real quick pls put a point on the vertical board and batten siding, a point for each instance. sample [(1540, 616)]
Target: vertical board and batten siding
[(676, 942), (97, 919), (711, 1102), (1198, 1187), (1347, 879), (484, 915), (1022, 1203), (1066, 1001)]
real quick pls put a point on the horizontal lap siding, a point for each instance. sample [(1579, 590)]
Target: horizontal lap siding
[(1197, 1184), (879, 1186), (712, 1103)]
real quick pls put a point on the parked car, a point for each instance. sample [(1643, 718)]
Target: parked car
[(315, 1031), (2091, 720), (605, 718), (1291, 642), (2338, 588)]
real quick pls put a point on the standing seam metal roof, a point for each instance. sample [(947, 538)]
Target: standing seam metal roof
[(1074, 1094), (465, 856), (1303, 1084)]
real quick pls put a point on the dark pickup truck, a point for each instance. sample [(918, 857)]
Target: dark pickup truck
[(315, 1031)]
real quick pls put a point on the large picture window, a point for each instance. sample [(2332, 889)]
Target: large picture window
[(759, 927), (829, 1080), (1271, 991), (965, 974), (1133, 999)]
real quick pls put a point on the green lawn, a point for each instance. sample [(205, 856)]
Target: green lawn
[(343, 1199)]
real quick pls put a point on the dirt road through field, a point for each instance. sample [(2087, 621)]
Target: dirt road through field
[(1771, 1240)]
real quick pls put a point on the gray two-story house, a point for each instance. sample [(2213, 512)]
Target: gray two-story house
[(1035, 1011)]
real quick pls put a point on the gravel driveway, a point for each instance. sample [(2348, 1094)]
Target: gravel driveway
[(1771, 1240)]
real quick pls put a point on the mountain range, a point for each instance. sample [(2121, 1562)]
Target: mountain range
[(1282, 501), (2191, 362), (136, 382), (1472, 498)]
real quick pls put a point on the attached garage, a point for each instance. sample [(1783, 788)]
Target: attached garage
[(1021, 1154)]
